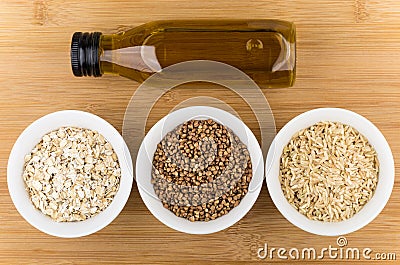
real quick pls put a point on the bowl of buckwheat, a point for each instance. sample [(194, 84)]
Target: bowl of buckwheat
[(69, 173), (199, 170), (330, 171)]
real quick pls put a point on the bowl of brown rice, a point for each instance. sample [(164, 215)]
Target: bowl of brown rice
[(330, 171)]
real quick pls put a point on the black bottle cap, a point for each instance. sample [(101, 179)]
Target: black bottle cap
[(85, 54)]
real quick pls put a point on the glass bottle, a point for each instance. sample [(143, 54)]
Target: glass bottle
[(263, 49)]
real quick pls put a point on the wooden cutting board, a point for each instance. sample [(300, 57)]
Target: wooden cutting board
[(348, 56)]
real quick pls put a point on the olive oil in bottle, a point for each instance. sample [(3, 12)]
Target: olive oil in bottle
[(263, 49)]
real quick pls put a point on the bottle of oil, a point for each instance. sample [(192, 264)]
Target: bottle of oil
[(263, 49)]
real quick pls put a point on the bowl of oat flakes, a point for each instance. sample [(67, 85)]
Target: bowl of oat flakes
[(69, 173), (330, 171), (199, 170)]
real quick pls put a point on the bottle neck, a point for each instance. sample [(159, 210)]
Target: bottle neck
[(85, 52)]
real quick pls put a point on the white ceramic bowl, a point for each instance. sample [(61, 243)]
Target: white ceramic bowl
[(24, 145), (385, 178), (144, 167)]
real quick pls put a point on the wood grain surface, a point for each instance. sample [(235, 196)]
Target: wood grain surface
[(348, 54)]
